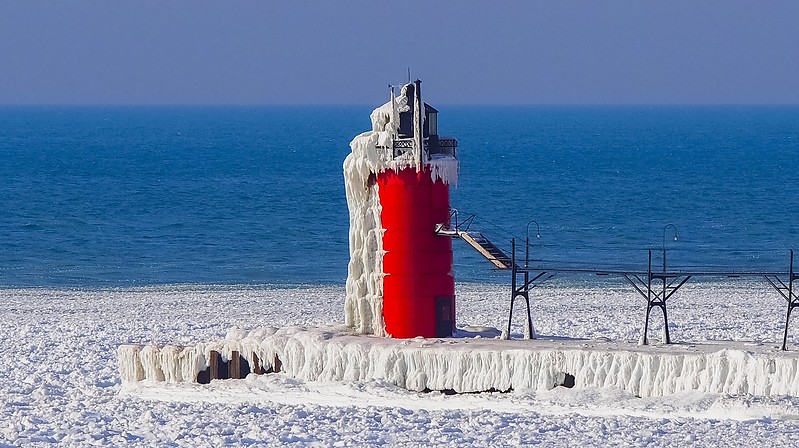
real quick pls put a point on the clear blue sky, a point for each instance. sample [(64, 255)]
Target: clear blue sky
[(346, 52)]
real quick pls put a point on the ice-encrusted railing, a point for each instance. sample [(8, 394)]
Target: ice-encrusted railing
[(434, 147)]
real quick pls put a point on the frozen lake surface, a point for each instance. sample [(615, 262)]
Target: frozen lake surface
[(60, 381)]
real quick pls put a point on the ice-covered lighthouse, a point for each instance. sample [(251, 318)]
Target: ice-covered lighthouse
[(400, 280)]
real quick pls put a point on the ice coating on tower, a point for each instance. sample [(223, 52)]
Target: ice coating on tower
[(372, 153), (364, 302)]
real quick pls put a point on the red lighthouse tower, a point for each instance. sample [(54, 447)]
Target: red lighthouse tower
[(397, 178), (418, 286)]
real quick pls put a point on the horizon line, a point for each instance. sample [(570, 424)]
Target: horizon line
[(373, 105)]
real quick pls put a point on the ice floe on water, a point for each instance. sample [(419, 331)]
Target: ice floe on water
[(60, 382)]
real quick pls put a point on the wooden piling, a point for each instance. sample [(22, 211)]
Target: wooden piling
[(235, 365), (213, 363), (257, 366)]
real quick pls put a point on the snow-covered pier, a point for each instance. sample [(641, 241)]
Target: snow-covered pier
[(474, 364)]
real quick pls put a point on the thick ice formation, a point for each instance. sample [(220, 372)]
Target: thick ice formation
[(372, 153), (364, 302), (472, 365)]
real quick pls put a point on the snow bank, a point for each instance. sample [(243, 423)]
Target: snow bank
[(372, 153), (474, 365)]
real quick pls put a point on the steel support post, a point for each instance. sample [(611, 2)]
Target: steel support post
[(523, 289), (656, 298), (786, 291)]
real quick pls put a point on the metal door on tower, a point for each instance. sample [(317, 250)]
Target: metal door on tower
[(445, 319)]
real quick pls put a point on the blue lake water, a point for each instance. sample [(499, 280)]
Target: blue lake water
[(126, 196)]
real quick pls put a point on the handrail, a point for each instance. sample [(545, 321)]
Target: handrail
[(468, 222)]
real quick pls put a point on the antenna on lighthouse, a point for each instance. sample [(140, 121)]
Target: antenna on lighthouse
[(394, 115)]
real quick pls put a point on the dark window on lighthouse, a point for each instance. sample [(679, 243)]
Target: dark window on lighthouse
[(406, 118), (432, 119)]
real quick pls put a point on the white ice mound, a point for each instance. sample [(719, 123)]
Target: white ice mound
[(363, 306), (474, 365), (372, 153)]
